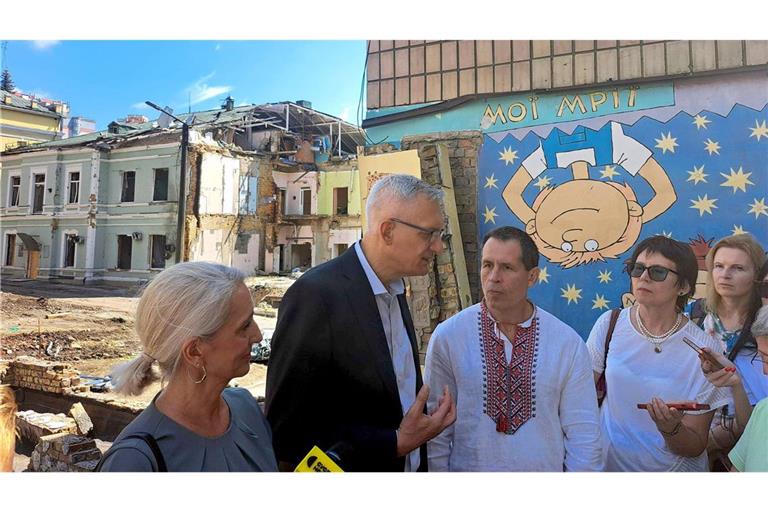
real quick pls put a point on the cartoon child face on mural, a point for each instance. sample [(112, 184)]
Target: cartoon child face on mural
[(584, 220)]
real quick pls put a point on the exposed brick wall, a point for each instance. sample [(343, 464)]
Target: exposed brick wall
[(64, 453), (27, 372), (435, 297)]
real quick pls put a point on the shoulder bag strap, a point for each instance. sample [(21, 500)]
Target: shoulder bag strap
[(611, 326), (151, 442)]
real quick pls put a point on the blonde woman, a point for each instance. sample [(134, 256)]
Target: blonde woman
[(735, 266), (195, 320), (7, 428)]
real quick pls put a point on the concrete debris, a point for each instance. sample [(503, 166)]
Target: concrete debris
[(84, 423)]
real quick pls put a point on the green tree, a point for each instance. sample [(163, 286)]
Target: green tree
[(6, 82)]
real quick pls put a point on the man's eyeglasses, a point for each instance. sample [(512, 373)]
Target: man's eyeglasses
[(655, 272), (434, 234)]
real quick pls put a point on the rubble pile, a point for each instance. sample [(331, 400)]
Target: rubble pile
[(64, 452), (33, 426)]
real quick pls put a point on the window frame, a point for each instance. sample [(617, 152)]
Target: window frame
[(69, 187), (123, 187)]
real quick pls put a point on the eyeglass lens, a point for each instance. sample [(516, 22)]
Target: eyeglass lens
[(655, 272)]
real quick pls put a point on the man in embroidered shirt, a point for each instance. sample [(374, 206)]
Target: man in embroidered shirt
[(523, 383), (344, 372)]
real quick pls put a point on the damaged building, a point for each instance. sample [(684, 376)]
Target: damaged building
[(266, 188)]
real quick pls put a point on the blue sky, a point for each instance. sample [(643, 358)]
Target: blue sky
[(106, 80)]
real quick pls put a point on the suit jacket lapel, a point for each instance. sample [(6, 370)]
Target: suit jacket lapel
[(408, 321), (363, 304)]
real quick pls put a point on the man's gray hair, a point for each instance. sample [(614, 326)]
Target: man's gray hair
[(760, 325), (400, 187)]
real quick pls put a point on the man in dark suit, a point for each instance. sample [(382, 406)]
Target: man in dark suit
[(344, 369)]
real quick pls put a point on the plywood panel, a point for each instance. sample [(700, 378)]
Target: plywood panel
[(466, 82), (417, 89), (401, 62), (502, 51), (450, 85), (466, 54), (373, 66), (402, 92), (521, 50), (448, 51), (485, 79), (433, 57), (417, 60), (387, 64), (502, 78), (433, 87), (484, 53)]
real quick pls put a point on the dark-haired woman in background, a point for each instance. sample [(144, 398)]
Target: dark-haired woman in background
[(648, 363)]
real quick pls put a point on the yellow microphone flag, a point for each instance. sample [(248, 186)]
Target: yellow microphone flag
[(317, 461)]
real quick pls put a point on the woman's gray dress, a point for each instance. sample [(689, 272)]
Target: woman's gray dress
[(245, 446)]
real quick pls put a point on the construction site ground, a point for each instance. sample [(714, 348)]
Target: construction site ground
[(92, 327)]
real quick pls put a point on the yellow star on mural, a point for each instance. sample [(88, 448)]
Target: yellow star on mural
[(542, 182), (760, 130), (703, 204), (697, 175), (600, 302), (543, 275), (759, 208), (490, 214), (490, 182), (738, 230), (508, 156), (712, 147), (666, 143), (701, 122), (571, 293), (605, 276), (609, 172), (737, 180)]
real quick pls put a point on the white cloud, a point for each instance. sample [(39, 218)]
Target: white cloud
[(201, 91), (42, 45), (140, 106), (345, 114)]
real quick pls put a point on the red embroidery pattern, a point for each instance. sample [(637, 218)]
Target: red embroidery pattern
[(509, 394)]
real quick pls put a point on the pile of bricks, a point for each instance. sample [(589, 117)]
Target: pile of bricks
[(64, 452), (33, 426), (27, 372)]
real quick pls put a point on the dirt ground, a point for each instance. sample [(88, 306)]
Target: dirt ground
[(95, 333)]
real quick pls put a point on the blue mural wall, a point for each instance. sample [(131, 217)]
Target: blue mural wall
[(717, 166), (590, 172)]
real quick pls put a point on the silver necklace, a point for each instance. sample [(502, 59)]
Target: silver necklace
[(657, 339)]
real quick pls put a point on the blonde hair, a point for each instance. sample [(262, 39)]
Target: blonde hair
[(7, 428), (747, 244), (187, 300)]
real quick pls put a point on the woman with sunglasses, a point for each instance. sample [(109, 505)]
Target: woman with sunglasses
[(735, 271), (648, 363)]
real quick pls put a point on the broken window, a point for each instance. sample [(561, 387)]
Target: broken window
[(129, 183), (340, 248), (241, 244), (37, 203), (10, 248), (161, 185), (74, 187), (282, 201), (157, 243), (124, 250), (306, 201), (15, 186), (69, 250), (340, 200)]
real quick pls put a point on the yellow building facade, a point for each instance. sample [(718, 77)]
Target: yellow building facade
[(25, 121)]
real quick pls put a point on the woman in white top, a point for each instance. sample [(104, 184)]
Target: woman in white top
[(649, 363)]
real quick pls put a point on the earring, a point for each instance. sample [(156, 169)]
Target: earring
[(205, 374)]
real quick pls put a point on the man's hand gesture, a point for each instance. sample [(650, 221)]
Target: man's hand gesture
[(417, 428)]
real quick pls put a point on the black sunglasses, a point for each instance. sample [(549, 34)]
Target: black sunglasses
[(655, 272)]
